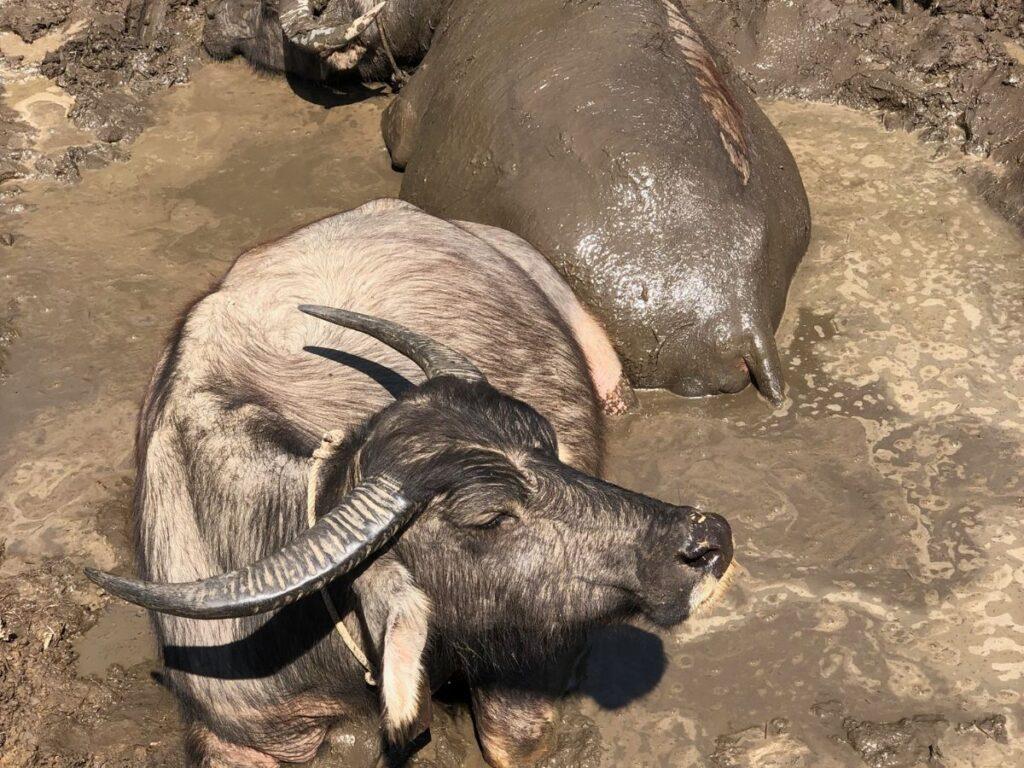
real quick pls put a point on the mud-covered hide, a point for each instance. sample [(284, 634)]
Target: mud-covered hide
[(616, 142), (252, 29)]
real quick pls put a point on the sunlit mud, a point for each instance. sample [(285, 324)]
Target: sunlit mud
[(878, 513), (879, 614)]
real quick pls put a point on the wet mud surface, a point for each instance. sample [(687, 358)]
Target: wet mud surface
[(877, 619)]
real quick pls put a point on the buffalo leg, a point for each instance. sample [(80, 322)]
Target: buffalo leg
[(513, 725), (401, 120), (205, 749)]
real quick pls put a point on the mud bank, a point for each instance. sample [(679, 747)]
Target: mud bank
[(76, 77), (952, 70), (878, 513)]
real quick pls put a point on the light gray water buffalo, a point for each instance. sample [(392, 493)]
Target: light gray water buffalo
[(609, 136), (454, 522)]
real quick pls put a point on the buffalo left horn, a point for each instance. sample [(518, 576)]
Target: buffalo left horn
[(338, 542), (433, 357), (307, 31)]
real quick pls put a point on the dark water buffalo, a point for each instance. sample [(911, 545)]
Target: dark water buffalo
[(460, 527), (610, 137)]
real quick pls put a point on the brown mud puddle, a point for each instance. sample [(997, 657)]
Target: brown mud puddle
[(879, 618)]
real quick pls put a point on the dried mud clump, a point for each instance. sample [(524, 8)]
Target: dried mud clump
[(762, 746), (951, 69), (30, 20), (907, 742), (126, 53), (47, 713), (109, 57), (923, 740), (14, 138)]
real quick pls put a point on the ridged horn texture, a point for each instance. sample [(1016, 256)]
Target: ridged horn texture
[(339, 541), (433, 357)]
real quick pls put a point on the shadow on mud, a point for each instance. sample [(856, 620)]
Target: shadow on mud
[(624, 664), (338, 93)]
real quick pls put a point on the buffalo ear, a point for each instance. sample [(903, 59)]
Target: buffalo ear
[(397, 616), (404, 680)]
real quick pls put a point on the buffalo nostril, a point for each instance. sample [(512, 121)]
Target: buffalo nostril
[(702, 558), (709, 545)]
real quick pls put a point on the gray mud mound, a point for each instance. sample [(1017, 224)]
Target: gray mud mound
[(953, 69)]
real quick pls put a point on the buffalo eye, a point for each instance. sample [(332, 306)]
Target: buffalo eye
[(494, 520)]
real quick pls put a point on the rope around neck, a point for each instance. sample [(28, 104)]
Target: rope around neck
[(396, 71), (328, 447)]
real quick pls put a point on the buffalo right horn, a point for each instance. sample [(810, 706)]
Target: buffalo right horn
[(433, 357), (338, 542)]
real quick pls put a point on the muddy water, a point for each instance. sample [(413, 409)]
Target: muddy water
[(878, 513), (100, 269)]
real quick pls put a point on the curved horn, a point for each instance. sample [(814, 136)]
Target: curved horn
[(434, 358), (313, 33), (339, 541), (762, 359)]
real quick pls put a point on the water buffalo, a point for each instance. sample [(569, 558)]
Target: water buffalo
[(460, 524), (608, 135)]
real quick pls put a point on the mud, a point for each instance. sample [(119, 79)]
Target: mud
[(952, 70), (877, 512), (48, 715), (76, 78)]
